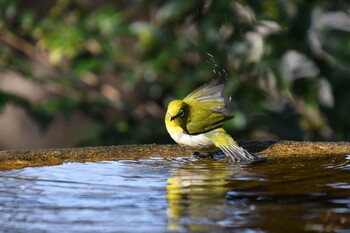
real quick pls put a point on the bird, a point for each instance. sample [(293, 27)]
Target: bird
[(196, 122)]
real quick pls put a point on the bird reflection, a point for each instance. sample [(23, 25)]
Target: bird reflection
[(196, 195)]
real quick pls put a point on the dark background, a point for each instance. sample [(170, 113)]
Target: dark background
[(87, 73)]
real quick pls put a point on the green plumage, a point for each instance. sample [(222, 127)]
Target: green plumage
[(196, 122), (207, 108)]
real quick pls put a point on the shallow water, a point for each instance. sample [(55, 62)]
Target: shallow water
[(184, 194)]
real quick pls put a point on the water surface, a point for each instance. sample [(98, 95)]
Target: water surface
[(180, 195)]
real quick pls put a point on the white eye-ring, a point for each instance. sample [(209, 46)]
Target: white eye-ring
[(182, 113)]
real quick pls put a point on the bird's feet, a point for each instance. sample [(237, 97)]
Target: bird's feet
[(214, 155), (200, 155)]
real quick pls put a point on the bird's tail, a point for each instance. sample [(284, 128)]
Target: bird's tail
[(231, 149), (235, 153)]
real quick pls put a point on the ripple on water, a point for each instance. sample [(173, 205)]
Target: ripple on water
[(177, 194), (88, 196)]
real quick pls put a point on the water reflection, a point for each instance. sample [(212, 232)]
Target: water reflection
[(197, 197), (182, 194), (90, 197), (301, 196)]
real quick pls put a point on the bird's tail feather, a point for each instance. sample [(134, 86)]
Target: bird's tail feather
[(237, 154)]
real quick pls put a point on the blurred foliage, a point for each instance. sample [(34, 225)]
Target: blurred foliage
[(120, 62)]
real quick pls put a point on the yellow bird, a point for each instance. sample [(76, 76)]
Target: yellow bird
[(196, 122)]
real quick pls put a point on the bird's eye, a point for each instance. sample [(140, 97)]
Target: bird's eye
[(182, 113)]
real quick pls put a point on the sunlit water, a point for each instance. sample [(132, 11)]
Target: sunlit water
[(184, 194)]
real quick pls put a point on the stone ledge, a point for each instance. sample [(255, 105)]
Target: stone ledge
[(273, 149)]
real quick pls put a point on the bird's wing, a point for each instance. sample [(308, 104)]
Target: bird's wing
[(207, 108), (211, 92)]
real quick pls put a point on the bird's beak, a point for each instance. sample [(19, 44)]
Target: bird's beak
[(170, 117)]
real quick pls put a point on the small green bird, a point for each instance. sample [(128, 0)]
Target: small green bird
[(196, 122)]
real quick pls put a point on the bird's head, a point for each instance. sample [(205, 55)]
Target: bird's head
[(177, 113)]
